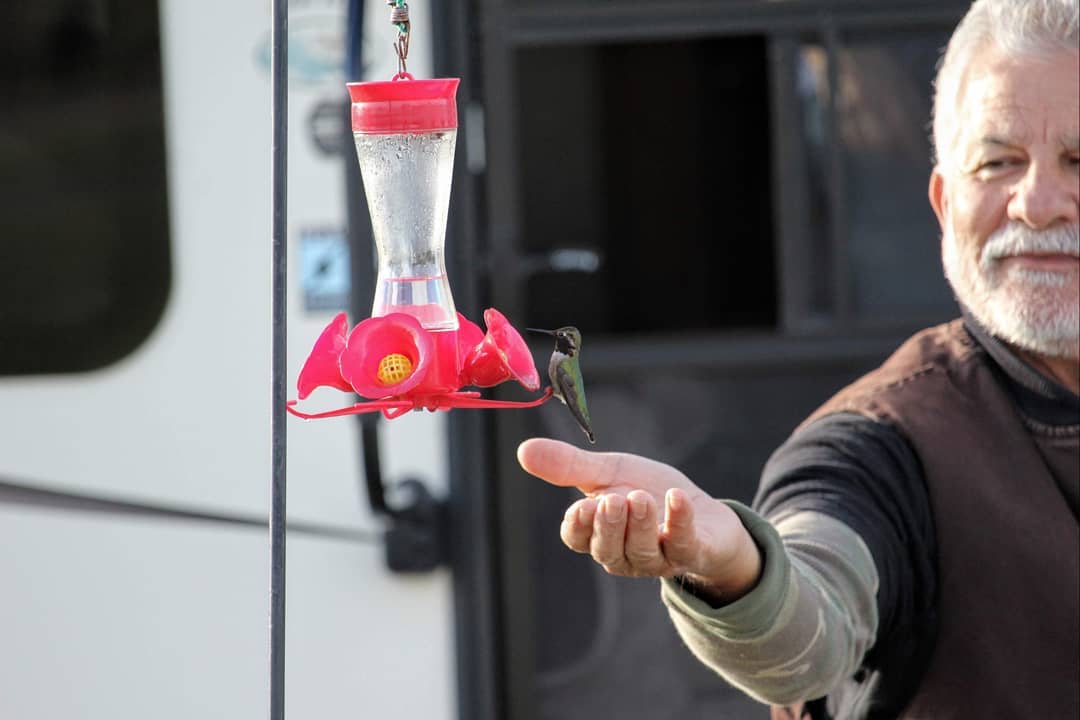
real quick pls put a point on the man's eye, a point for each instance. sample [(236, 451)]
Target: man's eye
[(996, 165)]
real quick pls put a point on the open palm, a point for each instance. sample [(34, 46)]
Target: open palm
[(620, 524)]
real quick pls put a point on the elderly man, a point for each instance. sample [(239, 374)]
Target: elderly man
[(914, 550)]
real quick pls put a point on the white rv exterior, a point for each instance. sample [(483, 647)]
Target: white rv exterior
[(125, 617)]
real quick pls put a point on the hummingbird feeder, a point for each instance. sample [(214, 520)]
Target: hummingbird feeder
[(415, 352)]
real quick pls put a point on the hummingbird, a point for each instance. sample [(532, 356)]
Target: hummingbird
[(565, 373)]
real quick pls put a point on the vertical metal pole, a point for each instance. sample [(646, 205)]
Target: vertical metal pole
[(279, 86)]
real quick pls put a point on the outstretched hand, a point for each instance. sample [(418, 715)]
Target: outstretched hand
[(620, 523)]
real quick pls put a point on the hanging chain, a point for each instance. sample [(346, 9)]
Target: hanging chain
[(399, 15)]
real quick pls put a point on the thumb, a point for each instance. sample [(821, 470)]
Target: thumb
[(565, 465)]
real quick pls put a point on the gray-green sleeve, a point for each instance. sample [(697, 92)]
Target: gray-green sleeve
[(807, 623)]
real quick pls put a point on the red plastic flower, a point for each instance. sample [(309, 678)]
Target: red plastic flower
[(321, 367), (386, 356), (501, 354), (469, 336)]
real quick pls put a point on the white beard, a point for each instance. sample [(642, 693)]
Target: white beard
[(1037, 311)]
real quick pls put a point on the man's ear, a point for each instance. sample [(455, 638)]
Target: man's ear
[(938, 200)]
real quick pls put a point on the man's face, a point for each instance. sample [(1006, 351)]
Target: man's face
[(1007, 196)]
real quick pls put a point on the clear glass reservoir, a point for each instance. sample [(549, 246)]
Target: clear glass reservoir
[(407, 178)]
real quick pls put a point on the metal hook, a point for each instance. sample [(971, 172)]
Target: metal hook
[(401, 47), (399, 15)]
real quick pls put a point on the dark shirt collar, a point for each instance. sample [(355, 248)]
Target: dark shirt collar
[(1037, 396)]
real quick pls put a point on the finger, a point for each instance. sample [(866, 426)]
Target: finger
[(787, 712), (679, 539), (643, 536), (577, 525), (609, 533), (563, 464)]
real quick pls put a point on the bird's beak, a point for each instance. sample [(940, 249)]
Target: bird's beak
[(538, 330)]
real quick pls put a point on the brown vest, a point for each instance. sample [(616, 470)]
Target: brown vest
[(1008, 563)]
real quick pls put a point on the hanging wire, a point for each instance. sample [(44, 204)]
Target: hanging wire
[(399, 16)]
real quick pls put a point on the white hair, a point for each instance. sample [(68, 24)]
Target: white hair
[(1016, 27)]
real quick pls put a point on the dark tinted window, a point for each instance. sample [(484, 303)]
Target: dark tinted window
[(885, 81), (84, 251), (655, 158), (875, 240)]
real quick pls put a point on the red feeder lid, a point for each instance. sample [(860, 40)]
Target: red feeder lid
[(404, 105)]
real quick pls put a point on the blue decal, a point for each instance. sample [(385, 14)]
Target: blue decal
[(325, 271)]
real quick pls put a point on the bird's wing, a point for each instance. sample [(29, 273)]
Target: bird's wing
[(574, 391)]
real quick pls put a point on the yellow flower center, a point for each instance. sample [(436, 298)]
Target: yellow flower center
[(394, 368)]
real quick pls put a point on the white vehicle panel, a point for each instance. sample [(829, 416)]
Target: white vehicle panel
[(110, 618), (121, 617)]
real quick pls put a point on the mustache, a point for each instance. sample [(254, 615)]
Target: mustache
[(1017, 238)]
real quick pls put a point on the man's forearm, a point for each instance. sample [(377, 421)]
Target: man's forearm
[(807, 624)]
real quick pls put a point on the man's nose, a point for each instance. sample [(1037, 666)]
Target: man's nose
[(1045, 196)]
